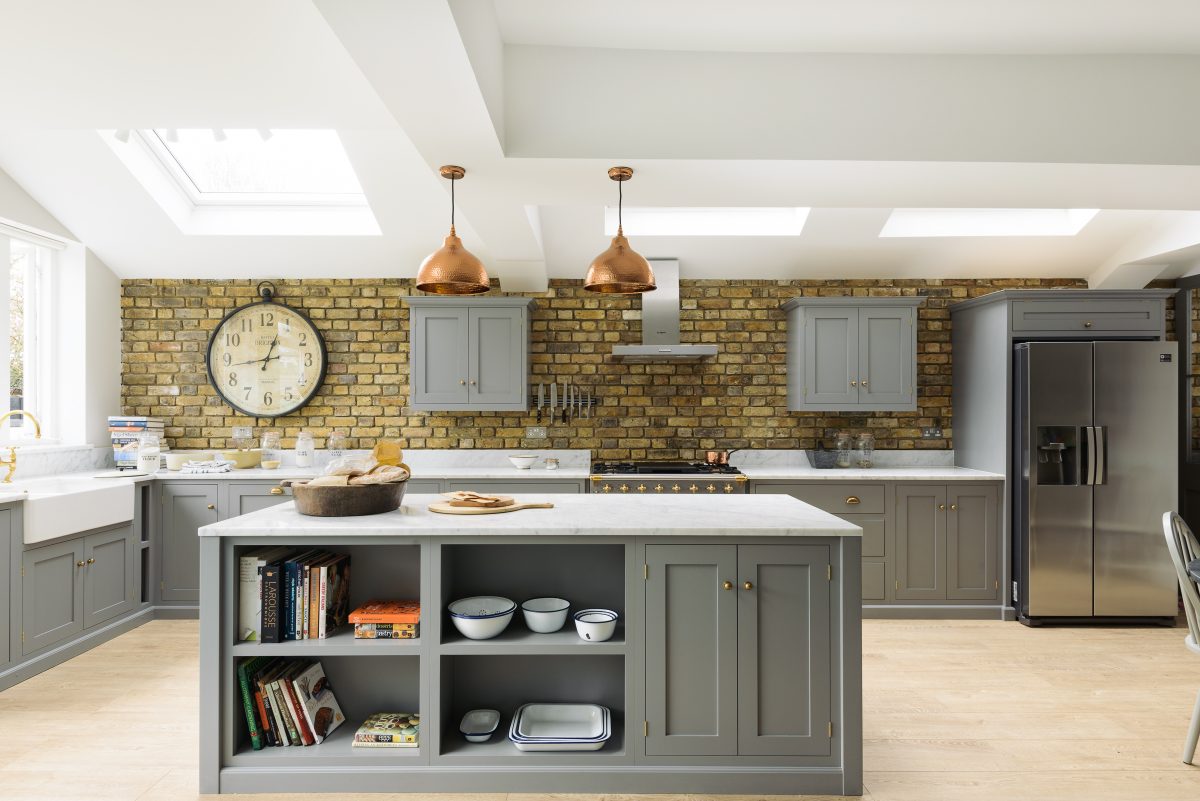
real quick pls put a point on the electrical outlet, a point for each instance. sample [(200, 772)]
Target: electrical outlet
[(932, 432), (535, 432)]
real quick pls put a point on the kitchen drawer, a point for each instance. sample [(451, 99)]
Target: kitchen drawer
[(1088, 317), (423, 486), (520, 486), (838, 498), (874, 540), (874, 580)]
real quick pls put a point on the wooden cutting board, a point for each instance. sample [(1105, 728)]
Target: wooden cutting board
[(444, 507)]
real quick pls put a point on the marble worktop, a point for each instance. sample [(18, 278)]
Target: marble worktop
[(572, 515), (889, 465)]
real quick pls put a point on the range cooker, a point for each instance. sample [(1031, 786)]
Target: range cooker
[(664, 478)]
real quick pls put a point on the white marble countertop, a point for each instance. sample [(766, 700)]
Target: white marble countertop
[(915, 473), (424, 471), (572, 515)]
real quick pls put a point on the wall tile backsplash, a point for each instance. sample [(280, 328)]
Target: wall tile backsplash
[(646, 411)]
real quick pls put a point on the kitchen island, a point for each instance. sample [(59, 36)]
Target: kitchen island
[(735, 667)]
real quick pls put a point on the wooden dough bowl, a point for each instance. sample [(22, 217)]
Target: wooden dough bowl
[(350, 501)]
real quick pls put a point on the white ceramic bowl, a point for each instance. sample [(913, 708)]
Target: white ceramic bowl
[(595, 625), (176, 460), (478, 725), (482, 617), (523, 461), (545, 615)]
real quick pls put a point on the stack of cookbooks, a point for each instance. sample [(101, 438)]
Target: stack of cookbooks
[(389, 730), (387, 620), (287, 701), (126, 430), (287, 593)]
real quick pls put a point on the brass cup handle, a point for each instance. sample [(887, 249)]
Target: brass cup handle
[(276, 490), (212, 506), (80, 563), (92, 561), (728, 585), (853, 501), (749, 585)]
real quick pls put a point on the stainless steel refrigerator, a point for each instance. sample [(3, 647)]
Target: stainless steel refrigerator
[(1096, 450)]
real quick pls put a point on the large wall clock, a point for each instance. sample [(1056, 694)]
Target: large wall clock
[(266, 359)]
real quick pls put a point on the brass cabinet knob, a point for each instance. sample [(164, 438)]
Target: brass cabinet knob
[(853, 383), (941, 507), (624, 488), (749, 585), (728, 585), (462, 382), (693, 488), (212, 506), (641, 487), (853, 501), (674, 488), (864, 382), (1087, 324), (276, 490), (79, 563), (954, 507), (472, 382), (658, 487), (92, 561), (711, 488)]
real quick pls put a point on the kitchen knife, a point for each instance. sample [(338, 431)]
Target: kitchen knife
[(589, 402), (553, 398), (539, 414), (566, 401)]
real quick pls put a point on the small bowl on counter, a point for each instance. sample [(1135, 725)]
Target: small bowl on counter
[(545, 615), (523, 461), (243, 460), (482, 617), (595, 625), (479, 725), (177, 459)]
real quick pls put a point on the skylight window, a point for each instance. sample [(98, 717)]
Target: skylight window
[(986, 222), (707, 221)]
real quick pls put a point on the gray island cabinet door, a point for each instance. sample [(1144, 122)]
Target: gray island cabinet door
[(439, 356), (691, 650), (885, 355), (972, 547), (495, 371), (108, 582), (784, 682), (52, 594), (920, 543), (830, 356), (186, 507)]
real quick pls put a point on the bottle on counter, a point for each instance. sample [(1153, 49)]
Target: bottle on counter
[(149, 454), (865, 447), (306, 450)]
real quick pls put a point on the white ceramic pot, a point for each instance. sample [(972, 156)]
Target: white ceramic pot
[(482, 617), (545, 615), (523, 461), (595, 625)]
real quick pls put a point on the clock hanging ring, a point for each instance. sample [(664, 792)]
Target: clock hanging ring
[(266, 359)]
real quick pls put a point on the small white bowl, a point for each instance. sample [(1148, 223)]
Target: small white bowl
[(176, 459), (523, 461), (479, 725), (545, 615), (595, 625), (482, 617)]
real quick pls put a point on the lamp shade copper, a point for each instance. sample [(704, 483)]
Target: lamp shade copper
[(620, 270), (452, 270)]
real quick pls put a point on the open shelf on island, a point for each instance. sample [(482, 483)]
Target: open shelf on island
[(517, 639), (341, 642), (337, 749), (501, 748)]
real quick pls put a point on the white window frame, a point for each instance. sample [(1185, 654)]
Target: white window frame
[(40, 320)]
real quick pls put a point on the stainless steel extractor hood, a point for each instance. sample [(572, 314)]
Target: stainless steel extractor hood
[(660, 323)]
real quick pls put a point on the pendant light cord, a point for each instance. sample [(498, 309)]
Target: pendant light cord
[(620, 204), (452, 180)]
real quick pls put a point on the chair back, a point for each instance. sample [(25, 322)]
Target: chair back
[(1184, 548)]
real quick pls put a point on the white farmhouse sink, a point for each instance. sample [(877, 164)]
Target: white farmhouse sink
[(57, 507)]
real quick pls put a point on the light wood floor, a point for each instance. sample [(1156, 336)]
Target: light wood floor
[(954, 710)]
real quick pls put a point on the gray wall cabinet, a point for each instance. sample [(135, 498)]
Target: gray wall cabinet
[(928, 549), (186, 506), (734, 638), (75, 584), (469, 355), (852, 354)]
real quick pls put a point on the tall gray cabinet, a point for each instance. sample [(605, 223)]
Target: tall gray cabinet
[(469, 354), (852, 354)]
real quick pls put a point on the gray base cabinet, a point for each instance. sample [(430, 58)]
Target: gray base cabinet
[(11, 575), (76, 584), (924, 544), (186, 506)]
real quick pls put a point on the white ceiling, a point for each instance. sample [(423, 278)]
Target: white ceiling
[(853, 108)]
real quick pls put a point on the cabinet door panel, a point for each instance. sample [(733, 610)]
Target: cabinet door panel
[(52, 594), (691, 650), (439, 356), (874, 580), (496, 357), (783, 631), (830, 356), (972, 543), (920, 543), (108, 581), (10, 584), (885, 357), (186, 507), (247, 498)]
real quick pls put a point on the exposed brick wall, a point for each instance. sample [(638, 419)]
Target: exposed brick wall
[(738, 399)]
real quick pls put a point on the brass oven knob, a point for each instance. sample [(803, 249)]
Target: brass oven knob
[(728, 585), (658, 487), (729, 488), (711, 488), (693, 488), (641, 488), (607, 488), (674, 488), (624, 488)]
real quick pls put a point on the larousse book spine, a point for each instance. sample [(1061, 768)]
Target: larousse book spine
[(270, 629)]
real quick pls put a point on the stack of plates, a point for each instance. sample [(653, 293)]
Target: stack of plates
[(561, 727)]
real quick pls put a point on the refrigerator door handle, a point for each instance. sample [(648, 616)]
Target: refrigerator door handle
[(1101, 460), (1090, 455)]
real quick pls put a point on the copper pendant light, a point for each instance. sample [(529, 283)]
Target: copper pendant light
[(620, 269), (452, 269)]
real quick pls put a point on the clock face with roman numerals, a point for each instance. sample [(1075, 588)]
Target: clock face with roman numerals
[(266, 359)]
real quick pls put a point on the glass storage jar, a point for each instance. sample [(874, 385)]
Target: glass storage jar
[(335, 445), (305, 450), (271, 452), (865, 448), (149, 453), (845, 444)]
